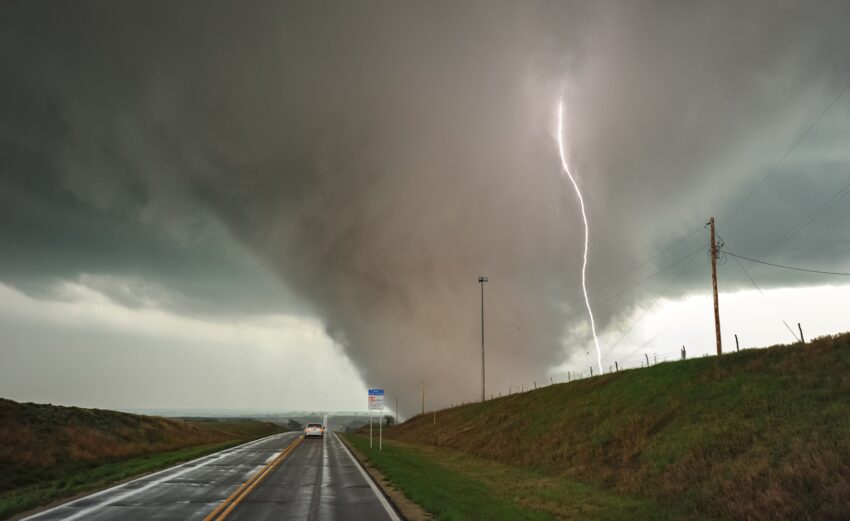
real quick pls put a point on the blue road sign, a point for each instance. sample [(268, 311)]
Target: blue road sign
[(376, 399)]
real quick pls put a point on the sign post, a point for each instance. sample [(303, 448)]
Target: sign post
[(376, 403)]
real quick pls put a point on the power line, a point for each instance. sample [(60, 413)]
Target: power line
[(618, 277), (807, 220), (561, 320), (779, 241), (784, 156), (787, 267), (731, 216), (747, 273), (665, 268), (631, 354), (791, 331), (660, 296)]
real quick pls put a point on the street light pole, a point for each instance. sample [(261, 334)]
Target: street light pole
[(482, 280)]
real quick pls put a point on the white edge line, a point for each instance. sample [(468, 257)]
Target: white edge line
[(386, 504), (214, 455), (326, 478)]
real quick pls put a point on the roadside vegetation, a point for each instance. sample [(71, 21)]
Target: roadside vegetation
[(452, 485), (49, 452), (760, 434)]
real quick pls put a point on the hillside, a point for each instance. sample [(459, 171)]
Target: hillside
[(760, 434), (48, 451)]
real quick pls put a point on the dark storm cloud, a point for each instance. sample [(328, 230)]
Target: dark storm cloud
[(379, 158), (49, 236)]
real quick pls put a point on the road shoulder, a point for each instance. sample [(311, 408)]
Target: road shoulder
[(406, 508)]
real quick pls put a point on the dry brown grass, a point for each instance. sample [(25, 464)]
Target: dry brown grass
[(49, 452), (34, 436), (37, 438)]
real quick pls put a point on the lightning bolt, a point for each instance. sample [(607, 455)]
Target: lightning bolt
[(566, 168)]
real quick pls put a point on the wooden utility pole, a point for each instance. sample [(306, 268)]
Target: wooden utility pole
[(423, 396), (803, 340), (737, 345), (714, 287)]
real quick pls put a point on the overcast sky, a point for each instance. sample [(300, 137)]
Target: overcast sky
[(275, 205)]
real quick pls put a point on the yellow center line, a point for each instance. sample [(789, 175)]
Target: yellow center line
[(239, 494)]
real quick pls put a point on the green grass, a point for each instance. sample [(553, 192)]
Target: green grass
[(454, 486), (87, 477), (760, 434), (439, 489)]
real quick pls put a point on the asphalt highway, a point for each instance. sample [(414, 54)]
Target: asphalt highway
[(279, 477)]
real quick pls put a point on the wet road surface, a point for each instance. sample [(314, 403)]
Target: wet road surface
[(279, 477)]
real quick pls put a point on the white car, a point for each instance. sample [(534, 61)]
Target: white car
[(314, 430)]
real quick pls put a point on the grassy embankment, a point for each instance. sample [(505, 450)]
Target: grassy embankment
[(760, 434), (453, 485), (49, 452)]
